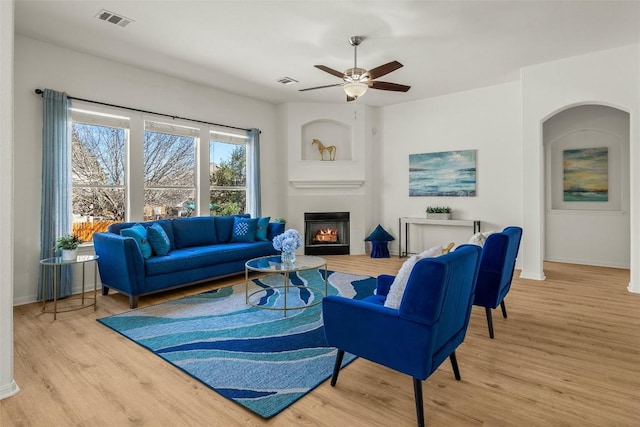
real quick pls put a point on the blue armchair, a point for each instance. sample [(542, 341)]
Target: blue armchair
[(415, 339), (496, 271)]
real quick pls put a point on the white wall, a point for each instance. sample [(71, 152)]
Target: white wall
[(608, 77), (593, 233), (42, 65), (8, 386), (487, 120)]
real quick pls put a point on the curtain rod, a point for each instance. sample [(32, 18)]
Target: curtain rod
[(41, 92)]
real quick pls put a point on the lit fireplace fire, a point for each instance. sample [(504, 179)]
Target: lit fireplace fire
[(326, 235)]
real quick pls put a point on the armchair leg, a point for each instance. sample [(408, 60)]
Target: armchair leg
[(336, 367), (105, 290), (454, 365), (504, 309), (489, 321), (417, 391)]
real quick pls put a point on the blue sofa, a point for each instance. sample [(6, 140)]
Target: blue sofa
[(200, 249)]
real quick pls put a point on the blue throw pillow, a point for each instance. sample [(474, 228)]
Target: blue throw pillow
[(244, 230), (224, 226), (158, 239), (139, 233), (261, 231)]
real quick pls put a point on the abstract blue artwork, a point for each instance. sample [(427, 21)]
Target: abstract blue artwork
[(447, 173)]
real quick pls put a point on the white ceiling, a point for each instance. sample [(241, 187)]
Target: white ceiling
[(245, 46)]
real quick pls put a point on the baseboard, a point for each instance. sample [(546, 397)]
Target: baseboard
[(29, 299), (587, 262), (532, 276), (8, 390)]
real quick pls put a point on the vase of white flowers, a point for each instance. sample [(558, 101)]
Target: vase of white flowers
[(288, 242)]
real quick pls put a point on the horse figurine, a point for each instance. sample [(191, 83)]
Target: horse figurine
[(331, 150)]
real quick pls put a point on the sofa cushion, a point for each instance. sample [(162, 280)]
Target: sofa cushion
[(224, 226), (158, 239), (196, 231), (244, 230), (203, 256), (274, 229), (139, 233), (261, 231)]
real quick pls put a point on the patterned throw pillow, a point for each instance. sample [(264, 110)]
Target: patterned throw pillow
[(139, 233), (244, 230), (158, 240), (261, 231)]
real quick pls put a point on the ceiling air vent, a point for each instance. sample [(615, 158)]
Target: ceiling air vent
[(105, 15), (287, 80)]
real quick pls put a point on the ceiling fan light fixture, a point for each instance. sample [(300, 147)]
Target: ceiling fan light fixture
[(355, 89)]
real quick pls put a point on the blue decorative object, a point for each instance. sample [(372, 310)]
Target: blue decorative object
[(158, 239), (261, 231), (379, 239), (288, 241), (498, 261), (139, 233), (417, 337), (244, 230), (257, 358)]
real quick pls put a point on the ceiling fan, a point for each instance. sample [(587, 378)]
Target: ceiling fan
[(358, 80)]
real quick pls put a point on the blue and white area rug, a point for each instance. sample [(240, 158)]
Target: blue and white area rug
[(258, 358)]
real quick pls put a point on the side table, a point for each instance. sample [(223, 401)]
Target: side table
[(54, 264)]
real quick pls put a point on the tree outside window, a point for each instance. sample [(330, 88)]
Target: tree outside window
[(169, 172), (98, 178), (227, 178)]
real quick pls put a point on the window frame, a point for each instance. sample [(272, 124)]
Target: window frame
[(134, 181)]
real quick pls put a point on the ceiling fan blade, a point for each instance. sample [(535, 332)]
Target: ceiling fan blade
[(384, 69), (389, 86), (330, 70), (319, 87)]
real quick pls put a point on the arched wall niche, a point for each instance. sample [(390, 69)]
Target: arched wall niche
[(595, 231), (329, 133)]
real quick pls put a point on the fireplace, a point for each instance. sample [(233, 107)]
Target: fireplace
[(326, 233)]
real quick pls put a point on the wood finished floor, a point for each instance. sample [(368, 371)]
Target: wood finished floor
[(568, 355)]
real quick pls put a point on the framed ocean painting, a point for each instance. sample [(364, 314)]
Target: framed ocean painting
[(586, 175), (446, 173)]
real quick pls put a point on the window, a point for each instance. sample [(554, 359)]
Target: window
[(98, 172), (227, 175), (130, 166), (169, 171)]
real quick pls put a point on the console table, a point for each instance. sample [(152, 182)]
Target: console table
[(404, 223)]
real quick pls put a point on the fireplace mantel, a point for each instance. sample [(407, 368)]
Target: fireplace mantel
[(333, 183)]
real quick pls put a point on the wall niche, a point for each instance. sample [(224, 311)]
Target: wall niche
[(330, 133)]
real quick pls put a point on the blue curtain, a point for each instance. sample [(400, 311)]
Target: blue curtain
[(253, 172), (55, 215)]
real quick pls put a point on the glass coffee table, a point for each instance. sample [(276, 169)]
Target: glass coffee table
[(273, 265)]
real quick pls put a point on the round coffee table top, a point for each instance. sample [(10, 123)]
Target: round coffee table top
[(273, 263)]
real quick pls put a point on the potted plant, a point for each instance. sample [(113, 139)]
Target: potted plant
[(68, 244), (438, 212)]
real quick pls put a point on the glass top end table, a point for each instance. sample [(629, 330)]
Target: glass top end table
[(55, 263)]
